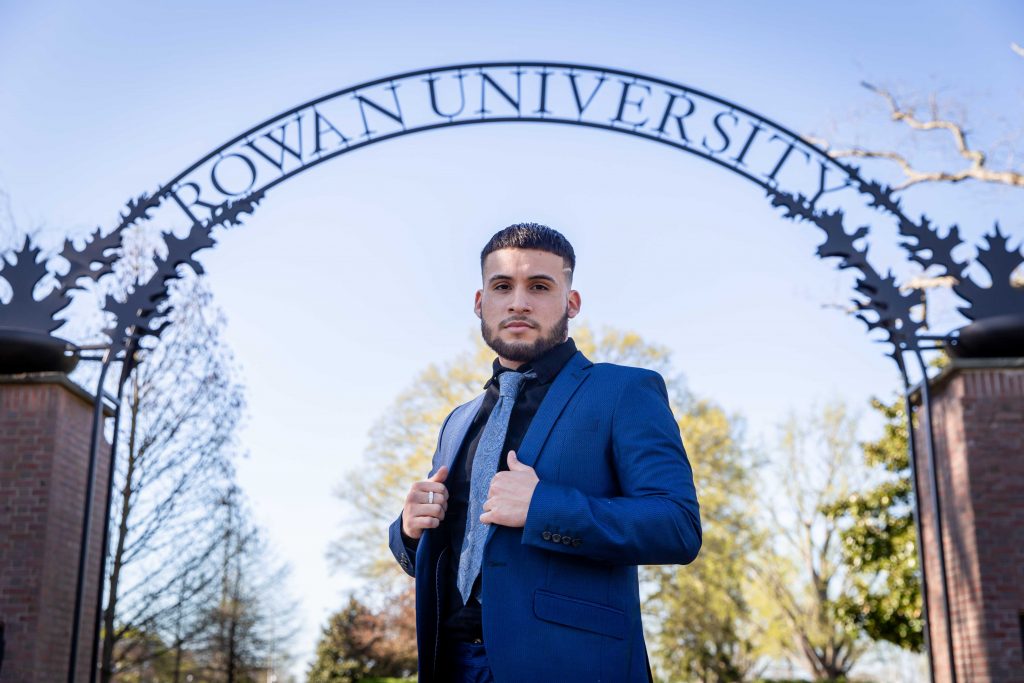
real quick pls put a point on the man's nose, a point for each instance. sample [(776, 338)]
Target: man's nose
[(520, 301)]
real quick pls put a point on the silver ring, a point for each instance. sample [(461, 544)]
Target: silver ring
[(430, 498)]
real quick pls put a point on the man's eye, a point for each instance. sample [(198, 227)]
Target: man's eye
[(501, 285), (540, 286)]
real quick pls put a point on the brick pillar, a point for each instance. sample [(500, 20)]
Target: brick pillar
[(45, 426), (978, 414)]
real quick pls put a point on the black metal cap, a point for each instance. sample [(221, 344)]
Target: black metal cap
[(1000, 336), (33, 351)]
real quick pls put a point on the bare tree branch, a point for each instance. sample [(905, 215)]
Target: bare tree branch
[(977, 167)]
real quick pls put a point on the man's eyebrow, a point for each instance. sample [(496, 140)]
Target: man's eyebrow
[(538, 276)]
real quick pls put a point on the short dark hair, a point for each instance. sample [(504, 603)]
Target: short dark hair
[(532, 236)]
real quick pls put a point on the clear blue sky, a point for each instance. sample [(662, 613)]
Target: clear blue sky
[(354, 276)]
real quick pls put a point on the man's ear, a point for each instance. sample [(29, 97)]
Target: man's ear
[(574, 303), (476, 304)]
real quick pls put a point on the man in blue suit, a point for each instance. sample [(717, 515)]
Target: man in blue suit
[(545, 493)]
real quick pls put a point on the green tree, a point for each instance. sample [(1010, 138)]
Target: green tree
[(151, 658), (879, 542), (699, 614), (359, 643), (340, 657)]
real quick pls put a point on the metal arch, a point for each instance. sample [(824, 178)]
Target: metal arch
[(880, 194), (883, 297)]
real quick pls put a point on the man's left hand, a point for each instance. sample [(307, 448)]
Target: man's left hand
[(508, 499)]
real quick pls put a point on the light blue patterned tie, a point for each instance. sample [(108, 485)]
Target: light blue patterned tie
[(485, 466)]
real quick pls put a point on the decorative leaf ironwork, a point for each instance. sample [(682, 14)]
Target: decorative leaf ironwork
[(24, 311), (97, 250), (230, 212), (928, 248), (135, 316), (884, 306), (97, 257), (139, 208), (1001, 297), (931, 250)]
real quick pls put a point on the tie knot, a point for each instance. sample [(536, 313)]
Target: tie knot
[(509, 383)]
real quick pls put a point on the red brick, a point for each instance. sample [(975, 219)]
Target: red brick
[(978, 430), (45, 427)]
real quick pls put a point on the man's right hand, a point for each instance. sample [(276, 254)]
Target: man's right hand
[(419, 514)]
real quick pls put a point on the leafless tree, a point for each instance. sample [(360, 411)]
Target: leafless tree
[(180, 412), (248, 626), (974, 163)]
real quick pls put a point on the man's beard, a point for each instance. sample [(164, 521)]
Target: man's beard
[(523, 352)]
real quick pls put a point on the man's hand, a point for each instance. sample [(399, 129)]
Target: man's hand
[(508, 499), (419, 513)]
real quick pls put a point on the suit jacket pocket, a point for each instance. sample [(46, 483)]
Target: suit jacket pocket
[(581, 614)]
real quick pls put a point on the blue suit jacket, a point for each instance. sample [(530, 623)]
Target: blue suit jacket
[(560, 597)]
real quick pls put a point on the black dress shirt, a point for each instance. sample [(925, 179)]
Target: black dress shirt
[(463, 621)]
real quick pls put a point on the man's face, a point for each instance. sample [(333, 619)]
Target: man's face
[(525, 304)]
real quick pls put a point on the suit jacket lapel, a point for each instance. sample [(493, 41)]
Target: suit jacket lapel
[(455, 432), (565, 385), (562, 389)]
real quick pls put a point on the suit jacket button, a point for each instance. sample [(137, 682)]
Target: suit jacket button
[(576, 543), (557, 538), (546, 535), (566, 540)]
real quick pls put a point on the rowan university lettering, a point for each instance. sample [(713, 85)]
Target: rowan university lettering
[(663, 112), (796, 177)]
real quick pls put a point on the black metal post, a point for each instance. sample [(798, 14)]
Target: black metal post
[(936, 509), (912, 455), (97, 424), (106, 528)]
